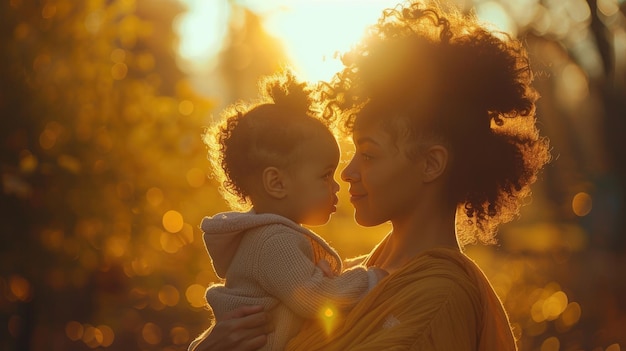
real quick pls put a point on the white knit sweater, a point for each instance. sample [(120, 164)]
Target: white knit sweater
[(266, 259)]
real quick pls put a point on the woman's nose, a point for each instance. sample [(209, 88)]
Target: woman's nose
[(350, 174)]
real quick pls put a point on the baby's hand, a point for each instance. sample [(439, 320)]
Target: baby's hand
[(325, 267)]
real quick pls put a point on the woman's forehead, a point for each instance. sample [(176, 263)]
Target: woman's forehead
[(370, 133)]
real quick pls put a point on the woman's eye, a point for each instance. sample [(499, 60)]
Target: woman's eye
[(366, 157)]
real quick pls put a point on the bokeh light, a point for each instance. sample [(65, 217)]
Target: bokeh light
[(154, 196), (185, 107), (92, 336), (28, 162), (195, 295), (196, 177), (74, 330), (569, 317), (20, 288), (151, 333), (108, 335), (169, 295), (582, 204), (613, 347), (551, 344), (180, 336), (173, 221)]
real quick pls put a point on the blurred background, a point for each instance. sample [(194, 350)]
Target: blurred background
[(105, 179)]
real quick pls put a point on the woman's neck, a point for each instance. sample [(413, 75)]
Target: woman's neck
[(412, 235)]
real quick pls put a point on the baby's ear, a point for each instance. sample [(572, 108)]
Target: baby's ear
[(274, 182), (435, 162)]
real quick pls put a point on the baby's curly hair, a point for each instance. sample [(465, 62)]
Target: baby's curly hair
[(252, 136), (447, 77)]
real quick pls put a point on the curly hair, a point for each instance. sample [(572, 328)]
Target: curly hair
[(448, 77), (252, 136)]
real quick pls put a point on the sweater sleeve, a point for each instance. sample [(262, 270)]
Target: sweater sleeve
[(286, 270)]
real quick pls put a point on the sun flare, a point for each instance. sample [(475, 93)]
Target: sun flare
[(315, 32), (312, 32)]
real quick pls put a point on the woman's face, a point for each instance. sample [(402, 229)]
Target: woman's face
[(384, 183)]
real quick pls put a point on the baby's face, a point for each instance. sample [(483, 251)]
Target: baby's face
[(313, 190)]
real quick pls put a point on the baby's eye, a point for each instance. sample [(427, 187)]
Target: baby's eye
[(328, 176), (366, 157)]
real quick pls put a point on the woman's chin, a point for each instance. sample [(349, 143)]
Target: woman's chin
[(365, 220)]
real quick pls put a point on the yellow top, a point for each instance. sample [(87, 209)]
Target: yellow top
[(439, 301)]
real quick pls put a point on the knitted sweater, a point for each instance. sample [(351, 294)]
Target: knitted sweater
[(268, 260)]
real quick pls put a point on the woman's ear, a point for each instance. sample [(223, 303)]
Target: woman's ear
[(274, 182), (435, 162)]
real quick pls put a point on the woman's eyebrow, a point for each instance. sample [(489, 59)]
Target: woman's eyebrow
[(366, 140)]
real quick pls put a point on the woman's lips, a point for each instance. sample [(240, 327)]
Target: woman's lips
[(356, 197)]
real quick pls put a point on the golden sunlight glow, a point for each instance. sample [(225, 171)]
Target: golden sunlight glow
[(312, 47), (494, 14), (202, 29), (328, 315), (313, 32)]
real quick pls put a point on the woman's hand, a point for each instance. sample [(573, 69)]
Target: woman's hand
[(243, 329)]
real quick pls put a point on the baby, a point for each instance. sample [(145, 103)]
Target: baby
[(277, 157)]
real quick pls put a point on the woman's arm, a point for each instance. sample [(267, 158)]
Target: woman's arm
[(243, 329)]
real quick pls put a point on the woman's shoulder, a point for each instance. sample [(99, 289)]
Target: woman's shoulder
[(435, 281)]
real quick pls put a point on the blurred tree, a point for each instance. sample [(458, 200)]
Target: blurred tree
[(249, 53), (102, 171)]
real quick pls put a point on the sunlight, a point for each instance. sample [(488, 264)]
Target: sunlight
[(314, 32), (202, 29), (494, 14)]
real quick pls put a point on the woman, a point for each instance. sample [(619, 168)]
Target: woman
[(442, 116)]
